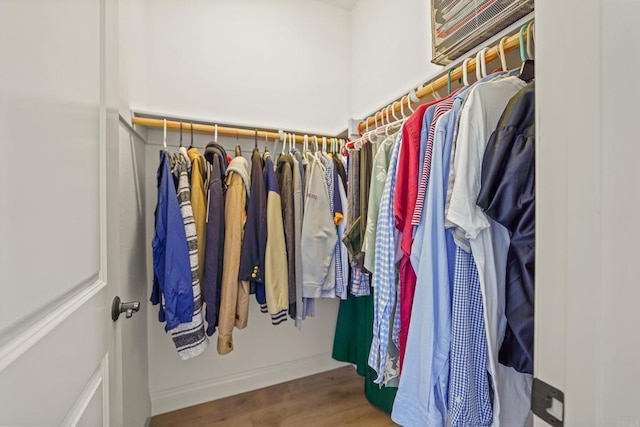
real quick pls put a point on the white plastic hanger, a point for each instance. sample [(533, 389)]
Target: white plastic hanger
[(305, 144), (478, 66), (215, 134), (315, 144), (465, 72), (501, 54), (284, 142), (164, 138), (324, 144), (483, 63), (409, 104)]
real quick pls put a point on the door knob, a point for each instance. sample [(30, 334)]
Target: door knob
[(118, 307)]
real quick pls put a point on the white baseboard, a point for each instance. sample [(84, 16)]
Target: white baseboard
[(205, 391)]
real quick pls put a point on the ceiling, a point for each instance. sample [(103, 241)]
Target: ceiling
[(345, 4)]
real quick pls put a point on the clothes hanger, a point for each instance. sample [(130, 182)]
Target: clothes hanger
[(527, 70), (255, 140), (409, 99), (180, 134), (238, 148), (284, 143), (529, 35), (266, 144), (292, 142), (478, 67), (215, 134), (324, 144), (483, 61), (315, 144), (164, 138), (465, 75), (449, 81), (501, 54), (305, 144), (191, 128)]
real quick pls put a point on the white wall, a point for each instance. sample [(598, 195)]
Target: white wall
[(282, 63), (390, 52), (277, 63)]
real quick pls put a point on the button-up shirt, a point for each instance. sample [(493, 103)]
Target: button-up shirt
[(384, 278), (422, 394)]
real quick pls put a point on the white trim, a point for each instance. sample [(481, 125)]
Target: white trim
[(18, 345), (106, 409), (192, 394), (87, 394)]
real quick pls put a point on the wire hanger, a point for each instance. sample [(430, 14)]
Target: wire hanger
[(164, 138), (255, 137), (449, 81), (180, 134), (266, 143), (191, 128)]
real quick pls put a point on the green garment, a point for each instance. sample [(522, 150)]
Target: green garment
[(378, 178), (352, 342)]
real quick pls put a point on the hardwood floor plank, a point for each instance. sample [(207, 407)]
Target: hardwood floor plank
[(333, 398)]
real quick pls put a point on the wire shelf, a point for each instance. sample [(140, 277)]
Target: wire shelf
[(457, 26)]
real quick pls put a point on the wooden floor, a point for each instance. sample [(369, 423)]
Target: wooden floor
[(334, 398)]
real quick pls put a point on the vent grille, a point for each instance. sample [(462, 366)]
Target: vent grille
[(457, 26)]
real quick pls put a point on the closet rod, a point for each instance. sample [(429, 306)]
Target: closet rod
[(224, 130), (511, 43)]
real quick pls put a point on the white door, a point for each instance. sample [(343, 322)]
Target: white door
[(58, 137), (587, 342)]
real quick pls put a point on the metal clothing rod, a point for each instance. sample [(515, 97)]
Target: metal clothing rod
[(510, 43), (228, 130)]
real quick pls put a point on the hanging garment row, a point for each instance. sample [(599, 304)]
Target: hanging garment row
[(449, 240), (227, 228)]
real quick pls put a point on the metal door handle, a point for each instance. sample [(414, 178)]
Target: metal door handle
[(118, 307)]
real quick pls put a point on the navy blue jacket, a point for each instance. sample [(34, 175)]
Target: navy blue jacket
[(171, 268)]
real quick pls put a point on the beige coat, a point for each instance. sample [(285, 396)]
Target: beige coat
[(234, 300)]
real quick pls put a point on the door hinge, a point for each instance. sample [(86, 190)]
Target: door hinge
[(547, 402)]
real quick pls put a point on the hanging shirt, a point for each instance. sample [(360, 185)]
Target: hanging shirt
[(489, 243), (508, 196), (199, 205), (384, 286), (297, 208), (189, 337), (255, 233), (319, 235), (422, 393), (172, 279), (275, 265), (378, 179), (439, 110), (214, 256), (284, 174), (234, 299)]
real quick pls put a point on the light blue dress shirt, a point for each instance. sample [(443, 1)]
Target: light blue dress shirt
[(422, 394)]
